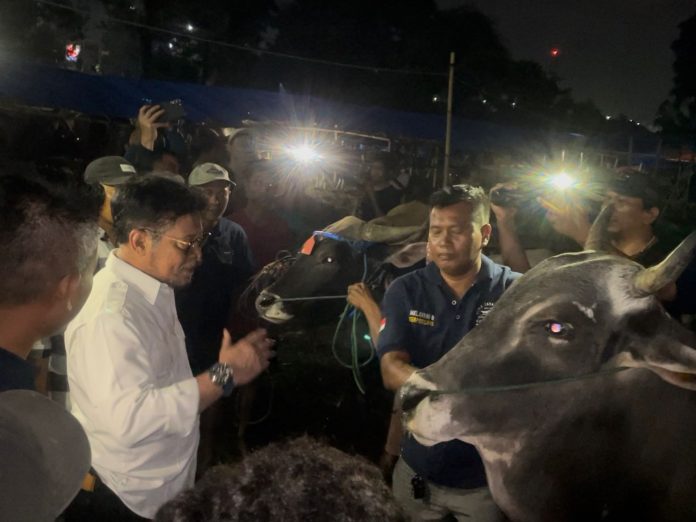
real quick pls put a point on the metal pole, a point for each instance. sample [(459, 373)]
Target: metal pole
[(658, 153), (448, 132)]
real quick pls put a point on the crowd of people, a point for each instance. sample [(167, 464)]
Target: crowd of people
[(118, 302)]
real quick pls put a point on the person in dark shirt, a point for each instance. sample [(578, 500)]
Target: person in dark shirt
[(49, 233), (204, 306), (636, 203), (384, 189), (424, 315), (268, 232)]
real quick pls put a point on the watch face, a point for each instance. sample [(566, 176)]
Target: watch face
[(219, 374)]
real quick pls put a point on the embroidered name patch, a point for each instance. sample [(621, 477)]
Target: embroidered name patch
[(482, 311), (422, 318)]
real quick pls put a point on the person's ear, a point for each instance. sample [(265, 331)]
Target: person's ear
[(486, 231), (650, 215), (67, 289), (139, 241)]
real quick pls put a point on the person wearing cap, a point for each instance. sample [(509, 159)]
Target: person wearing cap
[(131, 386), (109, 172), (40, 474), (635, 208), (49, 234), (204, 306)]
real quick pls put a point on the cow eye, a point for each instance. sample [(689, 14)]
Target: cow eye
[(558, 329), (329, 259)]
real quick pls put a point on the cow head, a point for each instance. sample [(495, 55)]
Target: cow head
[(571, 319), (326, 267)]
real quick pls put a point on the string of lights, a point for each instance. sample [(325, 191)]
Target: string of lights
[(249, 49)]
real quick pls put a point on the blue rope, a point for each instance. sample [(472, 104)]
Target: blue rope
[(355, 363)]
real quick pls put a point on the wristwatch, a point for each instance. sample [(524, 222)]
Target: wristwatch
[(221, 375)]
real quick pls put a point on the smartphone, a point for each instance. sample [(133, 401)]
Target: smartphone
[(173, 110)]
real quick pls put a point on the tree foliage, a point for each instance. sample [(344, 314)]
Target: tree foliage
[(389, 34), (677, 114)]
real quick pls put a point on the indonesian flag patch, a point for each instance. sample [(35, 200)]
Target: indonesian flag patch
[(382, 324)]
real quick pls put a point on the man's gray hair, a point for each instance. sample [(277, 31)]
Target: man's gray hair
[(48, 230)]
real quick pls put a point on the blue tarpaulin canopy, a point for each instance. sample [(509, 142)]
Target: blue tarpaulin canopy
[(114, 96)]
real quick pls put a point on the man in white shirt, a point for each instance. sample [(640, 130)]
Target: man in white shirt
[(132, 388)]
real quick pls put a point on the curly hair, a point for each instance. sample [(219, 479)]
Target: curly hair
[(294, 481), (151, 202)]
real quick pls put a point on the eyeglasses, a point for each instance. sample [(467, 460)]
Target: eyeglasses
[(182, 244)]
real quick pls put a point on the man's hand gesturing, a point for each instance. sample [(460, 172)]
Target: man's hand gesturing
[(248, 357)]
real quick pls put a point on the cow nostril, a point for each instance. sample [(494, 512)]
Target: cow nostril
[(411, 396), (266, 300)]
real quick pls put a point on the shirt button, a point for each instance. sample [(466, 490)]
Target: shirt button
[(454, 302), (458, 317)]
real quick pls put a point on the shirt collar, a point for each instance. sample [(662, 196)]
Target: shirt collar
[(147, 285), (485, 274)]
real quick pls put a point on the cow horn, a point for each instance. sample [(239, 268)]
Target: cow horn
[(650, 280), (598, 238)]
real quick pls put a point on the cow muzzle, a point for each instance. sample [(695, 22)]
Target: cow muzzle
[(426, 413), (270, 308)]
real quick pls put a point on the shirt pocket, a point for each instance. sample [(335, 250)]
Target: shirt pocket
[(225, 255)]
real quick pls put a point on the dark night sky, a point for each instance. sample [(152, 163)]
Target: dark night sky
[(615, 52)]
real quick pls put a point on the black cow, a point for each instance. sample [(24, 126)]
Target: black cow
[(326, 270), (577, 391)]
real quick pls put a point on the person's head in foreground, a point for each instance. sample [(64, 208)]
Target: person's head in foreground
[(296, 481), (157, 225), (49, 234), (44, 454)]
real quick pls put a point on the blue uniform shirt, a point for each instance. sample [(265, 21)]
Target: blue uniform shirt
[(15, 373), (423, 318)]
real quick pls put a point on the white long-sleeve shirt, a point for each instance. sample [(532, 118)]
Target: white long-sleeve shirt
[(132, 388)]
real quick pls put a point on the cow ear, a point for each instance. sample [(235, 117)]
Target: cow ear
[(408, 255), (671, 360)]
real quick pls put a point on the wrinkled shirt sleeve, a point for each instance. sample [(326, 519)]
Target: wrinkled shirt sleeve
[(119, 386), (394, 326)]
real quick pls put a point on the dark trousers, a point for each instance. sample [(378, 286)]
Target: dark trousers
[(100, 505)]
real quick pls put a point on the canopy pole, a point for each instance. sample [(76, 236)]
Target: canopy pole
[(448, 132)]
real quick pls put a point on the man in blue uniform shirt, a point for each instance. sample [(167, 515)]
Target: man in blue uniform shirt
[(425, 313)]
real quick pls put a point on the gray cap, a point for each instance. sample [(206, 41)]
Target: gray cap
[(109, 170), (45, 456), (208, 172)]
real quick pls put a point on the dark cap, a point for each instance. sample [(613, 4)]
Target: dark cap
[(635, 183), (109, 170), (44, 454)]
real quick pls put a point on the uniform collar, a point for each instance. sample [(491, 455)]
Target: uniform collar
[(147, 285), (485, 274)]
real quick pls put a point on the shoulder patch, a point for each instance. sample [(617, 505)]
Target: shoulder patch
[(116, 296)]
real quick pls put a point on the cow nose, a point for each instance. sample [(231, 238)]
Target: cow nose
[(411, 395), (266, 299)]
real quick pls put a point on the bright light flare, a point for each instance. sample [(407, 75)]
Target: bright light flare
[(303, 154), (562, 181)]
